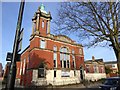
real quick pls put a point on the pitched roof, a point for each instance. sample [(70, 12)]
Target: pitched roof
[(111, 62), (100, 61)]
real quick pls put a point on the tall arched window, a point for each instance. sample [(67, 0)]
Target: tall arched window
[(74, 63), (64, 57), (55, 48), (34, 27), (55, 56), (73, 58), (95, 69), (42, 24)]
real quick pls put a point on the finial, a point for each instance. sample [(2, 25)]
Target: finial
[(42, 7)]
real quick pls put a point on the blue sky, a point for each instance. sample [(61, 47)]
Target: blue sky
[(9, 17)]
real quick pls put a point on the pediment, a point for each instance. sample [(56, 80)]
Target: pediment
[(64, 38)]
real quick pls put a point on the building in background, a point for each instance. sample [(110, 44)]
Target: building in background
[(5, 74), (49, 59), (95, 69), (112, 65), (1, 70)]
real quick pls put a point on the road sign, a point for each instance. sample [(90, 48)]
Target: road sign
[(9, 57)]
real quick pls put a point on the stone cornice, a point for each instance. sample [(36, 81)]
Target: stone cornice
[(42, 15), (53, 38)]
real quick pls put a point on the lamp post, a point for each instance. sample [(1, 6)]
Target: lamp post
[(16, 49)]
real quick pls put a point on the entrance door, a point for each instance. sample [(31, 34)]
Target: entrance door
[(81, 73)]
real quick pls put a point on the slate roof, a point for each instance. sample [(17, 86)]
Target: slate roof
[(111, 62)]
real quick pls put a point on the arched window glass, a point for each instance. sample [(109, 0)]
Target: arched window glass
[(64, 57), (55, 48), (42, 24), (42, 44), (34, 26), (55, 59), (87, 69), (95, 68), (73, 51), (55, 56), (80, 51), (73, 58)]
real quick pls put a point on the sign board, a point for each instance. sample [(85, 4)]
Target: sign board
[(65, 74), (9, 57)]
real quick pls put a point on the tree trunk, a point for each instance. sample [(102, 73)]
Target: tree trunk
[(117, 53), (118, 65), (118, 62)]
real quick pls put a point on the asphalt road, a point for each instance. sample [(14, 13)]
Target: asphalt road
[(91, 86)]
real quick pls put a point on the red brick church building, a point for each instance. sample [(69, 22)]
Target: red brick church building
[(49, 59)]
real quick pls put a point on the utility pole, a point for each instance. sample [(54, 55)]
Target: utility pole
[(16, 48)]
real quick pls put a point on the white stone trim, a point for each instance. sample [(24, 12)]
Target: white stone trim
[(21, 68), (94, 76), (58, 41), (58, 80)]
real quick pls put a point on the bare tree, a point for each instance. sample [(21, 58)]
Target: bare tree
[(98, 21)]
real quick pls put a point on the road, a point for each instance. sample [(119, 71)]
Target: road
[(91, 86)]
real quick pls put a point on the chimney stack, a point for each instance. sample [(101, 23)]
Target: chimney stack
[(93, 58)]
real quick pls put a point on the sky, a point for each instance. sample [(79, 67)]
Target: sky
[(8, 22)]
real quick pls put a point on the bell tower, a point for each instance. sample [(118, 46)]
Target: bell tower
[(41, 22)]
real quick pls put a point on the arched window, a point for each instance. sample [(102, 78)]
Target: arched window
[(55, 56), (64, 57), (55, 48), (41, 71), (42, 44), (74, 63), (87, 69), (73, 58), (80, 51), (34, 26), (42, 24), (47, 27), (95, 69), (73, 52)]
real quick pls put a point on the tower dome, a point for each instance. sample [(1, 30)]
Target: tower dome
[(42, 8)]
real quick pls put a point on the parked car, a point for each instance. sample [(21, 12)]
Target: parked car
[(110, 84)]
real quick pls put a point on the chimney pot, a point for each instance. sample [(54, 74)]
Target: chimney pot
[(93, 58)]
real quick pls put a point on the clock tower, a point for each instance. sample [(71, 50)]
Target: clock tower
[(41, 22)]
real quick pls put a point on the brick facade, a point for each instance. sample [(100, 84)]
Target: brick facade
[(95, 69), (113, 66), (65, 65), (1, 70)]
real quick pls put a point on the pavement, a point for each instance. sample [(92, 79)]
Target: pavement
[(89, 86)]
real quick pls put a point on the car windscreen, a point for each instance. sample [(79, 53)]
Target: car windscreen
[(111, 82)]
